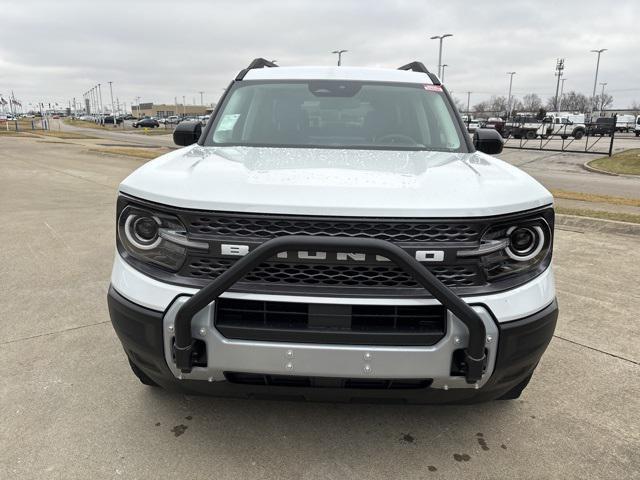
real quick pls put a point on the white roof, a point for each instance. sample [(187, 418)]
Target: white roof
[(338, 73)]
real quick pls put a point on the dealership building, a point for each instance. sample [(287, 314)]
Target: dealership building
[(163, 110)]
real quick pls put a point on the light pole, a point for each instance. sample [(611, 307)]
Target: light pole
[(440, 37), (184, 108), (201, 98), (339, 53), (468, 106), (113, 109), (595, 80), (562, 91), (559, 70), (138, 103), (100, 94), (602, 99), (442, 79), (511, 74)]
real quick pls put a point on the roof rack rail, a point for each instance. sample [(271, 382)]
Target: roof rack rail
[(255, 63), (419, 67)]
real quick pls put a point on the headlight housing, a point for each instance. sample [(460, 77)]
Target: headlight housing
[(527, 247), (143, 233)]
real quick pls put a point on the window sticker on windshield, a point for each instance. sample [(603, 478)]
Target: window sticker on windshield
[(228, 121), (433, 88)]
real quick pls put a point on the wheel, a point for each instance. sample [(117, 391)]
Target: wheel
[(564, 137), (578, 134), (141, 375), (517, 390), (134, 126), (530, 135), (637, 134)]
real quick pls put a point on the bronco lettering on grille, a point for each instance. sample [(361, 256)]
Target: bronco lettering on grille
[(420, 255)]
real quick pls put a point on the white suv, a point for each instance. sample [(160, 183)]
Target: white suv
[(334, 233)]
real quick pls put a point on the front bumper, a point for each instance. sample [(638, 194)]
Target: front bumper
[(513, 352)]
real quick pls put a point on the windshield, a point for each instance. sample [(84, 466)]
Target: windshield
[(337, 114)]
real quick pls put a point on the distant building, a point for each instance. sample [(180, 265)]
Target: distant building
[(163, 110)]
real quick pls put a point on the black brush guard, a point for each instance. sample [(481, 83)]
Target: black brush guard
[(184, 342)]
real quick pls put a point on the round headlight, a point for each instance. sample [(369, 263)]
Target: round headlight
[(524, 242), (142, 231)]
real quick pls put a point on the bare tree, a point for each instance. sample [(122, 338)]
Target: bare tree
[(531, 102), (497, 104), (517, 105), (602, 101), (635, 105), (575, 102), (481, 107)]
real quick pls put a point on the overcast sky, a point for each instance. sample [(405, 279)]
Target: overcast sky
[(55, 50)]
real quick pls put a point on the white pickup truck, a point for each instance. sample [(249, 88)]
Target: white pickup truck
[(530, 127)]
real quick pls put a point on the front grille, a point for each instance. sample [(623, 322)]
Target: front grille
[(330, 323), (243, 378), (317, 274), (268, 226)]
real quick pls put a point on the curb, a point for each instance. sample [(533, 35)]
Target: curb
[(589, 168), (597, 225)]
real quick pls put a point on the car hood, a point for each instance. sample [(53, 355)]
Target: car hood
[(342, 182)]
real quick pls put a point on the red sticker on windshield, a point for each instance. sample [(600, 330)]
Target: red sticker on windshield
[(433, 88)]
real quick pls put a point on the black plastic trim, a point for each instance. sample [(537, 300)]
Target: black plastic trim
[(255, 63), (419, 67)]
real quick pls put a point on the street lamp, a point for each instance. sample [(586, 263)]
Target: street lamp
[(339, 53), (511, 74), (602, 99), (440, 37), (595, 80), (442, 79)]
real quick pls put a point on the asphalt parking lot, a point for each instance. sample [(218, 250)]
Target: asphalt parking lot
[(72, 408)]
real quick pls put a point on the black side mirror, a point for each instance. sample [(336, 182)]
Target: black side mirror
[(187, 133), (487, 140)]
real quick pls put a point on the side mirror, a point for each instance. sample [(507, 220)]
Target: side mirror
[(487, 140), (187, 133)]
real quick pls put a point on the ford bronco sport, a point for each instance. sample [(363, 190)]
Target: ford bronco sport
[(333, 233)]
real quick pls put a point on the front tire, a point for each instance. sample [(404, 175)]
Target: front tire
[(530, 135), (578, 134)]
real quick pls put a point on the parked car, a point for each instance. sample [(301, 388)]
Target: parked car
[(399, 260), (625, 123), (109, 120), (146, 123), (636, 130), (128, 116), (603, 126)]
